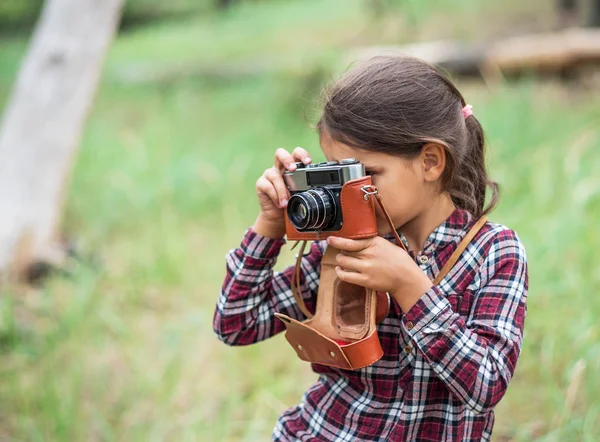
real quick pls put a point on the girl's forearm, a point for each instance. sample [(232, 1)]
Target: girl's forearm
[(252, 292)]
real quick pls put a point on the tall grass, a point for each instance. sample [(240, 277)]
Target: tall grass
[(122, 347)]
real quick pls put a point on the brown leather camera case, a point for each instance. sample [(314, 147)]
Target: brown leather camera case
[(342, 333)]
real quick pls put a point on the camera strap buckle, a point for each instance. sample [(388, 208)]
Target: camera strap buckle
[(372, 190), (368, 191)]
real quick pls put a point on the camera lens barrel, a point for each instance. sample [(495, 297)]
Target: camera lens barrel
[(314, 209)]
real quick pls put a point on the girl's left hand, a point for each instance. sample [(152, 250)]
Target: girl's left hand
[(380, 265)]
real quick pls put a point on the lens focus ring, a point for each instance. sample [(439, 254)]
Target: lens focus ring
[(314, 209)]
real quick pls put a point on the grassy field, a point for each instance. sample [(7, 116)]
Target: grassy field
[(123, 349)]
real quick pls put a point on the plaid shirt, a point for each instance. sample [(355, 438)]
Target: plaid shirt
[(436, 381)]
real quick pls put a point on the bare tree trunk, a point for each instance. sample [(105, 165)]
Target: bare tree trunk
[(43, 122)]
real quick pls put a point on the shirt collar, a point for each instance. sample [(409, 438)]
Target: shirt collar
[(450, 231)]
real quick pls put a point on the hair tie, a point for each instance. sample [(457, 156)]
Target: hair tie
[(467, 111)]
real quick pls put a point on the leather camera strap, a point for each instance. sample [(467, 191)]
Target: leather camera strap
[(461, 248), (295, 283), (388, 218), (296, 290)]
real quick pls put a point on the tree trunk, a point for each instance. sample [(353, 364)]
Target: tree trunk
[(548, 53), (43, 123)]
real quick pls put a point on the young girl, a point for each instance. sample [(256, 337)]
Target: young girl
[(450, 350)]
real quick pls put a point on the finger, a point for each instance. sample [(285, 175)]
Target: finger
[(265, 187), (350, 245), (275, 178), (350, 277), (284, 160), (350, 263), (302, 155), (354, 254)]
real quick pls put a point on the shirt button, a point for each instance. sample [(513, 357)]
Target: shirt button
[(423, 259), (409, 325), (408, 349)]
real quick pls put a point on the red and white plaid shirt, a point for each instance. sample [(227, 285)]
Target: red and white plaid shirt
[(438, 381)]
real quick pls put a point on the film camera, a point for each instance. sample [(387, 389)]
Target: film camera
[(329, 198)]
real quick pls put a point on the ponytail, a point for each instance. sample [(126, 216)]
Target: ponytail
[(471, 178)]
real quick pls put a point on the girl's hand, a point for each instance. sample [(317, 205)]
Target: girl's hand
[(378, 264), (273, 194)]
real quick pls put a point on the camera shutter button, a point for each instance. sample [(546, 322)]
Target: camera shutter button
[(348, 161)]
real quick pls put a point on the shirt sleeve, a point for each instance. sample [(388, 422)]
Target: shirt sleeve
[(476, 356), (252, 292)]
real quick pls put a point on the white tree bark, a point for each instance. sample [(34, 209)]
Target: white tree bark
[(43, 123)]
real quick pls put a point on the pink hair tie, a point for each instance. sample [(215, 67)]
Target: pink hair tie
[(467, 111)]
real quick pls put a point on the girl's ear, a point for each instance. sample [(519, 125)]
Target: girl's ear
[(433, 161)]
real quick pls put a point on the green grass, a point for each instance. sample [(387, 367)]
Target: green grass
[(123, 349)]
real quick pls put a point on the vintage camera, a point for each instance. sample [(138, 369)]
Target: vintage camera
[(329, 198)]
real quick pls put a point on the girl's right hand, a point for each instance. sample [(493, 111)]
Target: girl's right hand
[(272, 191)]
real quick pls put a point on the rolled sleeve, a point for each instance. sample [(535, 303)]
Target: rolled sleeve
[(433, 307), (252, 292)]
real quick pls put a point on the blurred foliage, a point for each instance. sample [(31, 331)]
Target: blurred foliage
[(19, 12), (122, 348)]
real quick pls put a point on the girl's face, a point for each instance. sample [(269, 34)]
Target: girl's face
[(403, 186)]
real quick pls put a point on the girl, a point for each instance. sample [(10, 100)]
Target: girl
[(450, 350)]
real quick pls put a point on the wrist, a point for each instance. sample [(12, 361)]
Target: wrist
[(269, 228), (408, 293)]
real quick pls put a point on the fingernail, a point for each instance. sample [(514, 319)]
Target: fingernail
[(328, 240), (292, 166), (284, 203), (307, 160)]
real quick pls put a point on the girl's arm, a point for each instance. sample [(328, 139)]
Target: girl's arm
[(476, 356), (252, 292)]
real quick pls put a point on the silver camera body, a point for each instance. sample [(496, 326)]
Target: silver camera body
[(315, 189)]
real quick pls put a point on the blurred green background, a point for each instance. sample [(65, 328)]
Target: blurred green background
[(193, 102)]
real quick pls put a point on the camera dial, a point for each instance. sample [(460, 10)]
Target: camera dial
[(328, 163)]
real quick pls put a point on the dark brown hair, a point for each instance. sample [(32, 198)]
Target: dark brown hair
[(397, 104)]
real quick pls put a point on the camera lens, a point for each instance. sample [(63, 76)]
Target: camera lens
[(314, 209), (300, 213)]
